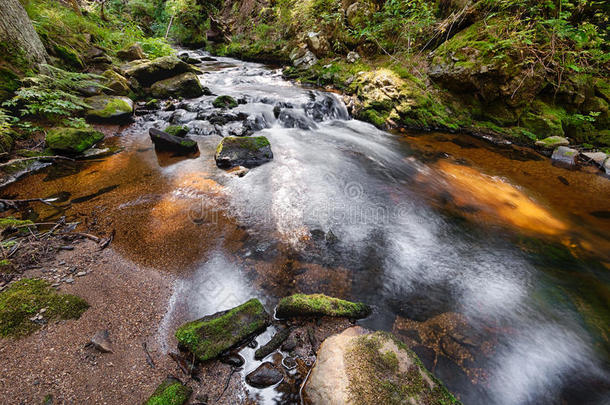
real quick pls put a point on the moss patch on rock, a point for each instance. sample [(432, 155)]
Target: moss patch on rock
[(243, 151), (72, 140), (320, 305), (224, 102), (17, 224), (208, 337), (26, 298), (109, 108), (184, 85), (170, 392), (177, 130)]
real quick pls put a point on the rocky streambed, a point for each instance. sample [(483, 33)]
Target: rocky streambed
[(485, 260)]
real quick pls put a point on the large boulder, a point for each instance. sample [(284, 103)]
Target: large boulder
[(72, 140), (320, 305), (552, 142), (148, 72), (243, 151), (132, 52), (317, 44), (184, 85), (109, 108), (164, 141), (358, 367), (210, 336), (170, 392)]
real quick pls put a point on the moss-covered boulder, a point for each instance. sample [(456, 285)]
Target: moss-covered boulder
[(68, 56), (209, 337), (224, 102), (9, 82), (24, 301), (109, 108), (167, 142), (148, 72), (72, 140), (552, 142), (177, 130), (170, 392), (358, 367), (185, 85), (131, 52), (320, 305), (116, 83), (243, 151), (544, 120)]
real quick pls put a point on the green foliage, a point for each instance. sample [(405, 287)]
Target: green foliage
[(52, 94)]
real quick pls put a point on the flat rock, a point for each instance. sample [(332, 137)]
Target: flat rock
[(598, 157), (101, 341), (565, 156), (265, 375), (552, 142), (210, 336), (165, 141), (243, 151), (358, 367)]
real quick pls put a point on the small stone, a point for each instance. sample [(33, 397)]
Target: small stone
[(69, 280), (564, 156), (81, 273), (265, 375), (353, 57), (101, 341), (238, 171)]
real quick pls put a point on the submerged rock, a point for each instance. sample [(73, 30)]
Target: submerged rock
[(294, 119), (320, 305), (552, 142), (165, 141), (243, 151), (272, 345), (210, 336), (357, 367), (101, 341), (224, 102), (265, 375), (565, 156), (109, 108), (185, 85), (72, 140), (171, 392)]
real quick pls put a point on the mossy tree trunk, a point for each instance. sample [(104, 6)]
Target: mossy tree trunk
[(17, 31)]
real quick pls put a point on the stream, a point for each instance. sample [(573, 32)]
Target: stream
[(488, 261)]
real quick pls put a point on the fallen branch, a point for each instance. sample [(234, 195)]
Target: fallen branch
[(56, 157), (149, 359)]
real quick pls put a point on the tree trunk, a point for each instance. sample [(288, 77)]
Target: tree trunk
[(17, 30)]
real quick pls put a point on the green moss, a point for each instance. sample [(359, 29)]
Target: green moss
[(224, 102), (25, 298), (170, 392), (320, 305), (69, 56), (12, 222), (373, 116), (72, 140), (9, 82), (544, 120), (209, 337), (177, 130), (253, 143), (112, 107), (6, 142), (6, 267)]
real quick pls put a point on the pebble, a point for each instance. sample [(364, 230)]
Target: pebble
[(81, 273), (69, 280)]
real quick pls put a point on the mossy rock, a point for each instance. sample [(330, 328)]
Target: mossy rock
[(544, 120), (359, 367), (26, 298), (377, 118), (109, 108), (209, 337), (116, 83), (72, 140), (149, 72), (552, 142), (6, 267), (177, 130), (9, 82), (131, 52), (320, 305), (6, 142), (185, 85), (170, 392), (224, 102), (243, 151), (69, 56)]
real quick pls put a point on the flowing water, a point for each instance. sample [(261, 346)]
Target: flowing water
[(488, 261)]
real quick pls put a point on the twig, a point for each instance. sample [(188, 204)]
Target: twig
[(177, 359), (106, 242), (149, 359), (10, 162), (233, 369)]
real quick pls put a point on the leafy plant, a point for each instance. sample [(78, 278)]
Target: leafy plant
[(52, 94)]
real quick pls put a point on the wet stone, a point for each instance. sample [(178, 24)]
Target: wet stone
[(265, 375), (565, 156), (234, 360)]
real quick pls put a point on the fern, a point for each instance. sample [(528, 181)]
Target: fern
[(53, 93)]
